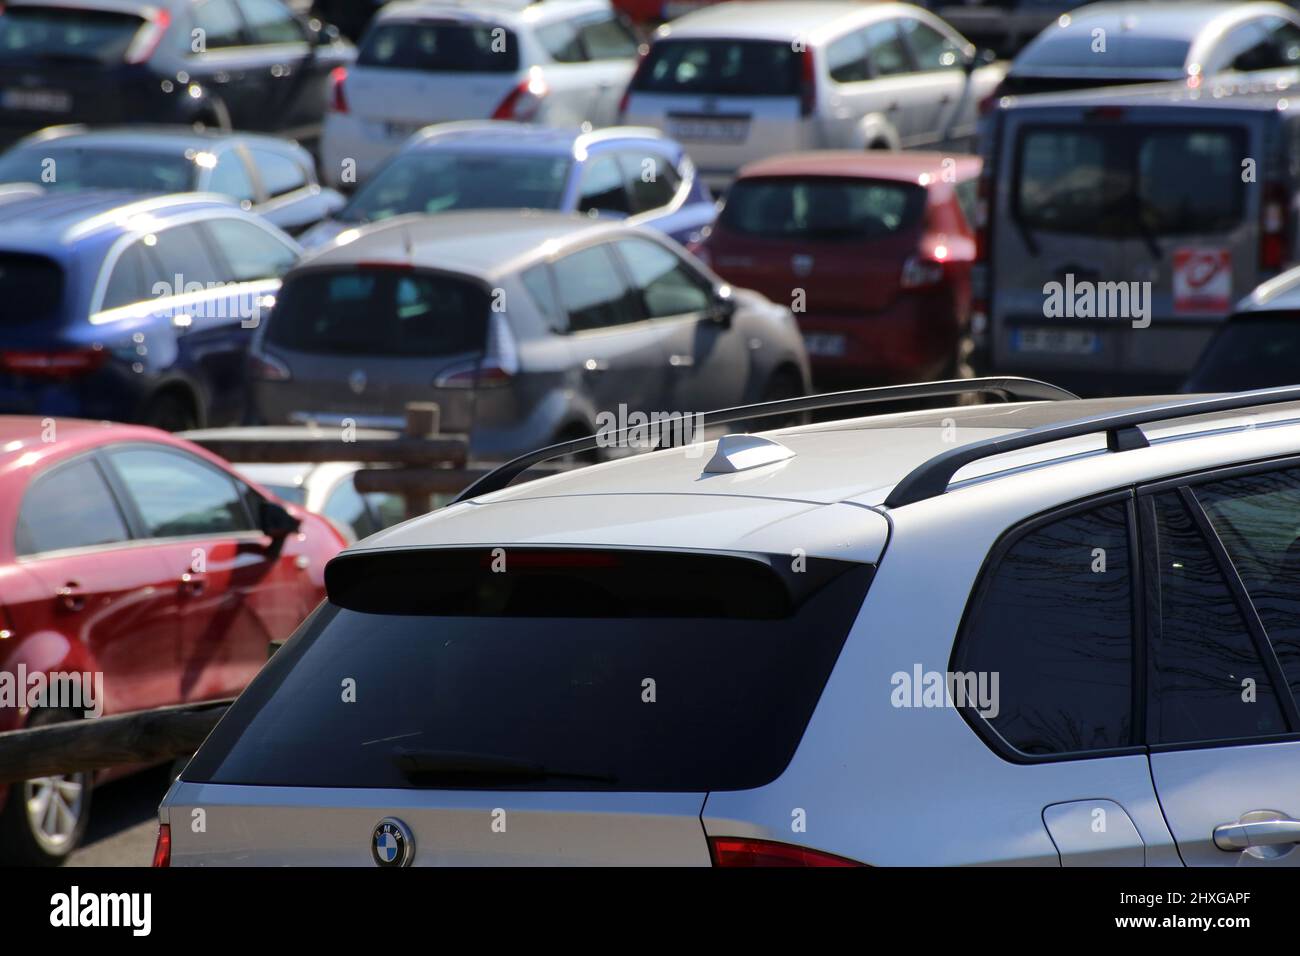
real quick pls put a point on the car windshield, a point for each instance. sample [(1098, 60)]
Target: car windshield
[(1251, 352), (820, 208), (431, 181), (440, 47), (1130, 179), (97, 167), (574, 669), (720, 68), (66, 33)]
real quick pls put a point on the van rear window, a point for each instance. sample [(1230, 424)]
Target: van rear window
[(544, 669), (440, 47), (379, 311), (1124, 180), (720, 68)]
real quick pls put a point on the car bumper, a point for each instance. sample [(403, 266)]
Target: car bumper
[(915, 339)]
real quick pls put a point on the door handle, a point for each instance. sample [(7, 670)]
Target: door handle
[(69, 599), (595, 365), (1242, 836), (192, 583), (681, 361)]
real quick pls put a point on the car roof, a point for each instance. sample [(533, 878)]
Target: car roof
[(773, 19), (152, 138), (1268, 96), (528, 10), (909, 166), (25, 439), (480, 243), (120, 6), (63, 219), (510, 137), (1170, 19)]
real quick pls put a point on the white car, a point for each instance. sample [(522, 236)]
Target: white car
[(741, 81), (558, 63)]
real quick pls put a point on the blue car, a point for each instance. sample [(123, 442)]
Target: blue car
[(625, 172), (133, 309)]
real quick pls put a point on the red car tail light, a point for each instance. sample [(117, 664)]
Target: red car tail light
[(56, 366), (1274, 226), (338, 99), (162, 851), (807, 83), (523, 103), (740, 852), (147, 39)]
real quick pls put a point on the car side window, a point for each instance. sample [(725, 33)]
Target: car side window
[(220, 24), (230, 177), (668, 286), (1285, 38), (270, 21), (280, 174), (886, 53), (592, 290), (932, 50), (178, 495), (1257, 517), (1245, 47), (252, 252), (560, 40), (347, 507), (1207, 680), (537, 281), (1049, 637), (846, 58), (128, 282), (69, 506), (602, 188), (651, 179), (606, 38), (181, 251)]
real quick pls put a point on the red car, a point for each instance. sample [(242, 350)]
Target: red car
[(872, 251), (144, 566)]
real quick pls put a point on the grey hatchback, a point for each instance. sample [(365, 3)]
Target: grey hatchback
[(525, 327)]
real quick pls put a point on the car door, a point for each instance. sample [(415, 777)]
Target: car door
[(96, 586), (289, 68), (198, 521), (1223, 633), (946, 108), (620, 361), (592, 61), (708, 357), (222, 62)]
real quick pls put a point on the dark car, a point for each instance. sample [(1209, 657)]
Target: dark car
[(1259, 344), (229, 64), (272, 177), (132, 309)]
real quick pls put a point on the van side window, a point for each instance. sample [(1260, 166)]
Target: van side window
[(1207, 680), (1051, 634)]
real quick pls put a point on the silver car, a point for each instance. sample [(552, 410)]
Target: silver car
[(1051, 632), (525, 327)]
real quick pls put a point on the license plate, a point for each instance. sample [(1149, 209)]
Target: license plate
[(44, 101), (1056, 341), (824, 344), (709, 130)]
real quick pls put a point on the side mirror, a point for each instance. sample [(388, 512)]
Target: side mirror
[(724, 306), (276, 522)]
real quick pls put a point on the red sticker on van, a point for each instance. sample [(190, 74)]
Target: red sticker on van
[(1202, 280)]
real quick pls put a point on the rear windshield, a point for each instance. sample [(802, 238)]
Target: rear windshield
[(1067, 49), (440, 47), (98, 168), (379, 311), (1124, 180), (545, 670), (1251, 352), (720, 68), (60, 33), (823, 209), (437, 181), (30, 286)]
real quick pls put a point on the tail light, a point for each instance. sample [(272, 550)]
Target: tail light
[(338, 99), (162, 850), (738, 852), (920, 272), (56, 366), (807, 83), (1274, 226), (524, 102), (497, 367), (627, 93), (148, 37)]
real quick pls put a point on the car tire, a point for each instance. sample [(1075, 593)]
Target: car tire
[(35, 831), (170, 412)]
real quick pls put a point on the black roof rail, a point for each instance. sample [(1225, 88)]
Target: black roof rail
[(1009, 387), (930, 479)]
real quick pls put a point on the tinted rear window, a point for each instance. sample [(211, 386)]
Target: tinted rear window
[(613, 670), (1250, 353), (1068, 49), (30, 286), (98, 168), (720, 68), (440, 48), (821, 209), (1120, 180), (59, 33), (379, 312)]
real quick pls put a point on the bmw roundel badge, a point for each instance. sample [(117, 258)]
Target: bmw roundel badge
[(391, 843)]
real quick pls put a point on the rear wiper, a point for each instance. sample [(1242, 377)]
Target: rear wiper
[(1144, 230), (433, 767)]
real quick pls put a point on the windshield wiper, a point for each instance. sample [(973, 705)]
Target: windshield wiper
[(434, 767)]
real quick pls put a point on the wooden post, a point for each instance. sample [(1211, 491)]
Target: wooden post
[(422, 421)]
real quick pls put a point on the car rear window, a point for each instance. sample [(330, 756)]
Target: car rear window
[(1250, 352), (440, 47), (575, 669), (30, 286), (820, 208), (720, 68), (379, 311), (1130, 179), (97, 167), (1069, 49), (65, 33)]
